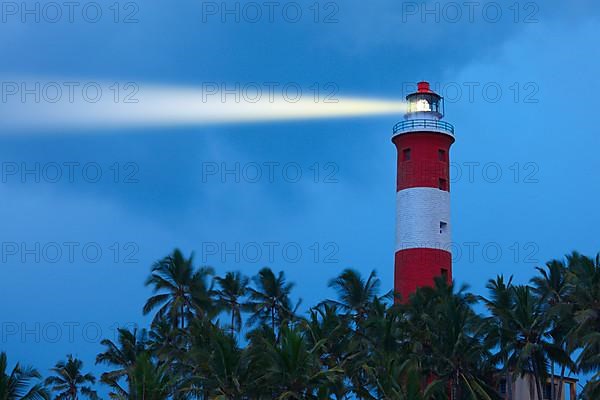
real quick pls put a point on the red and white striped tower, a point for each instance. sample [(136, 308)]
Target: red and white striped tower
[(423, 241)]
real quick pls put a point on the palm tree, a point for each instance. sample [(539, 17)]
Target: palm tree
[(233, 287), (380, 354), (166, 342), (19, 384), (180, 291), (591, 391), (355, 294), (498, 324), (219, 367), (193, 364), (294, 370), (326, 327), (551, 284), (584, 280), (553, 288), (402, 381), (531, 348), (124, 355), (270, 302), (69, 380), (151, 380), (455, 334)]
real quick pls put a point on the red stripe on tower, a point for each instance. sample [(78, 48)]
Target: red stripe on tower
[(423, 241)]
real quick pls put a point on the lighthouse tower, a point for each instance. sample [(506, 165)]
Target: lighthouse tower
[(423, 239)]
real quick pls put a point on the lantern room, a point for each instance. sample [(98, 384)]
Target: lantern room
[(424, 103), (425, 110)]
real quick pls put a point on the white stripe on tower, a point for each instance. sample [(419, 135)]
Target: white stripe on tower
[(423, 219)]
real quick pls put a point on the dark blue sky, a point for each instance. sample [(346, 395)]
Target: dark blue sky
[(539, 134)]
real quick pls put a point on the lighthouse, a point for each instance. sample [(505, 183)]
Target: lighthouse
[(423, 240)]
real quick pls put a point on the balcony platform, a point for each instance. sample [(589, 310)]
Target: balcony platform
[(423, 125)]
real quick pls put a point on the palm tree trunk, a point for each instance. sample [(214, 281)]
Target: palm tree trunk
[(538, 383), (536, 380), (453, 394), (232, 321), (531, 387), (552, 393), (539, 390), (509, 384), (561, 382), (273, 319), (182, 317)]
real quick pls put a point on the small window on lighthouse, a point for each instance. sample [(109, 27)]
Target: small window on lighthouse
[(442, 155), (405, 154), (444, 273), (443, 226)]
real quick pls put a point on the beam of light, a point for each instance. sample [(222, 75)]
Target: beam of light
[(163, 106)]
